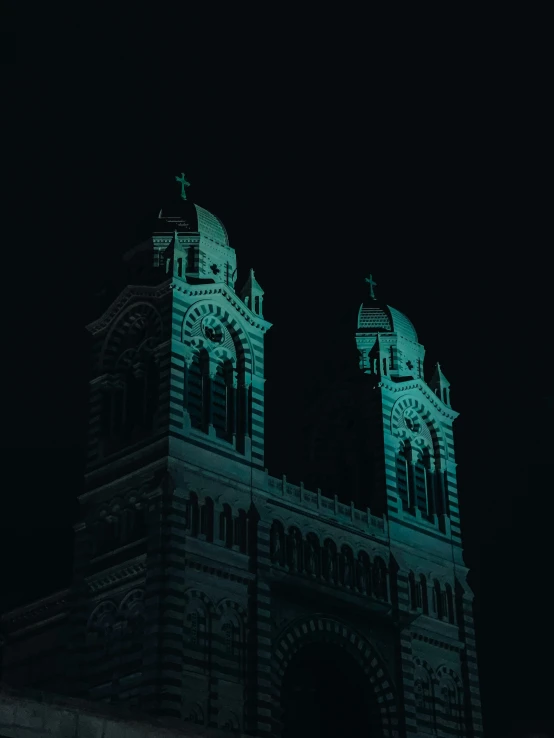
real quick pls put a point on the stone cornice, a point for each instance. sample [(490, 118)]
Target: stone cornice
[(130, 292), (218, 571), (117, 574), (421, 386), (435, 640), (35, 613)]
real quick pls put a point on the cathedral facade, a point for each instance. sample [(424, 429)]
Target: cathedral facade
[(206, 590)]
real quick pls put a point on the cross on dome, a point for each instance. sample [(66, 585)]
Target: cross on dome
[(182, 180), (371, 284)]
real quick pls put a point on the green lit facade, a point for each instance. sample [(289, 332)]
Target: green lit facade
[(203, 587)]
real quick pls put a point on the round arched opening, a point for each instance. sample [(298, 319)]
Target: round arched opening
[(325, 693)]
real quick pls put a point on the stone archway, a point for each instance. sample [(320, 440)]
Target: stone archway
[(324, 694), (328, 681)]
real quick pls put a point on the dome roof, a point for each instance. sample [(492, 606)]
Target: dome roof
[(374, 317), (187, 217)]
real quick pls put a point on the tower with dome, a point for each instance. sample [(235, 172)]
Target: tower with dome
[(206, 592)]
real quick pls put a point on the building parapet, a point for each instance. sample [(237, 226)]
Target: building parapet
[(328, 507)]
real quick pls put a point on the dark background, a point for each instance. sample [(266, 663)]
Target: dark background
[(437, 181)]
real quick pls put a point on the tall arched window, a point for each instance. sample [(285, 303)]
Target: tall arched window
[(449, 604), (195, 388), (219, 399), (241, 531), (402, 476), (226, 526), (207, 519), (423, 589), (380, 590), (193, 514), (423, 484), (413, 591), (438, 602)]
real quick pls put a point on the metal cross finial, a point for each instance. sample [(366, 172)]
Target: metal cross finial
[(371, 284), (184, 184)]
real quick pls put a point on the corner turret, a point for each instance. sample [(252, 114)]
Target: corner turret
[(252, 294), (440, 385)]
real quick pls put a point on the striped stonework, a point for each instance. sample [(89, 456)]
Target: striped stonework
[(261, 706), (239, 408), (470, 672), (165, 599), (405, 658)]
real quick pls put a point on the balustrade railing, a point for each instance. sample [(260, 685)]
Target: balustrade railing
[(326, 506)]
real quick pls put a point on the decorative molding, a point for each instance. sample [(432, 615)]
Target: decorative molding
[(217, 572), (456, 646), (117, 575), (221, 289), (129, 293), (419, 384), (35, 613)]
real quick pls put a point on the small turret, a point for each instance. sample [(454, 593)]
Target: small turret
[(440, 385), (252, 294)]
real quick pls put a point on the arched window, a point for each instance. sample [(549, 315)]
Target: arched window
[(422, 584), (449, 604), (380, 579), (402, 477), (241, 531), (195, 390), (312, 555), (193, 514), (422, 483), (413, 591), (330, 561), (363, 573), (207, 519), (277, 544), (219, 399), (347, 567), (226, 526), (438, 602), (418, 592), (294, 540)]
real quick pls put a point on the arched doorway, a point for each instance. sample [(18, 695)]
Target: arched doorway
[(325, 693)]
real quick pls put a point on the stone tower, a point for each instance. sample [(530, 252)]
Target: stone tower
[(175, 450), (207, 591)]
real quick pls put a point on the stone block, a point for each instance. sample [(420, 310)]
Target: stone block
[(7, 711), (117, 729), (60, 723), (29, 715), (90, 726)]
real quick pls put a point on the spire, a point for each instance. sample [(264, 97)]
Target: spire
[(440, 385), (371, 284), (251, 294)]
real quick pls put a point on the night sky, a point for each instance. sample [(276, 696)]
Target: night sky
[(442, 194)]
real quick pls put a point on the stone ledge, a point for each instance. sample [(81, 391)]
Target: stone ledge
[(34, 714)]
